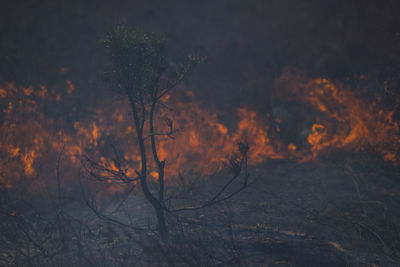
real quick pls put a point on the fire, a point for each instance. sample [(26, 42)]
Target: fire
[(28, 159), (24, 131), (342, 120), (345, 120)]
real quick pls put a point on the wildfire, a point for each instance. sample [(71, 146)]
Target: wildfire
[(345, 120), (30, 141)]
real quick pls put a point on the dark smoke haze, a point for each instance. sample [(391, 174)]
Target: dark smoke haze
[(247, 43)]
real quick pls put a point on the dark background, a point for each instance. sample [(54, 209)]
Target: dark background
[(247, 43)]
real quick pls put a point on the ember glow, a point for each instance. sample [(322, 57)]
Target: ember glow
[(345, 120), (31, 140)]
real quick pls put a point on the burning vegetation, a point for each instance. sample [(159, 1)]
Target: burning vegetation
[(340, 120)]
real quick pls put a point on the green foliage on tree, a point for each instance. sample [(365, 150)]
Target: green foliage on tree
[(140, 66)]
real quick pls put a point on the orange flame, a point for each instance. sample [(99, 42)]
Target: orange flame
[(346, 120), (30, 141)]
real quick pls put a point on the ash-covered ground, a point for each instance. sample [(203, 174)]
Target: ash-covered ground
[(342, 212)]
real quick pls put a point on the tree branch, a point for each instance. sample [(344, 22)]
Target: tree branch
[(58, 173), (237, 167)]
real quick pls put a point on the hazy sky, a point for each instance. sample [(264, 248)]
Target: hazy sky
[(247, 43)]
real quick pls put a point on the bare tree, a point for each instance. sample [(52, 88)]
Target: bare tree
[(142, 72)]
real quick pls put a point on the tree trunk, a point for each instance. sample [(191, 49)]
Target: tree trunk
[(156, 203), (162, 227)]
